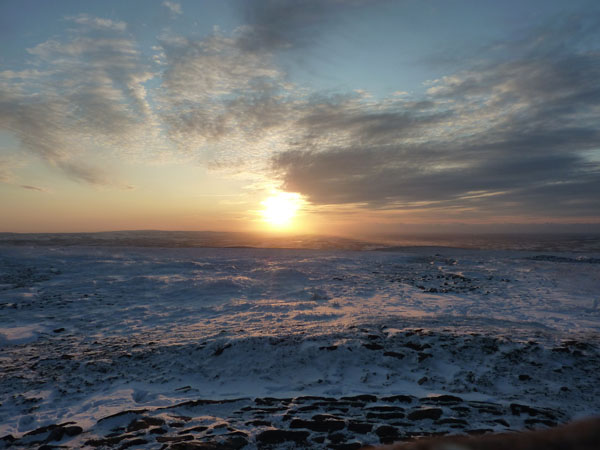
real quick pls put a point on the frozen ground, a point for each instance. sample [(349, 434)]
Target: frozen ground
[(249, 347)]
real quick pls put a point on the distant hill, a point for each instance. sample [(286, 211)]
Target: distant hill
[(213, 239), (556, 242)]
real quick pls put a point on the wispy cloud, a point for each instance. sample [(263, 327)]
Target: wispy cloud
[(33, 188), (289, 24), (86, 92), (220, 102), (98, 23), (173, 7)]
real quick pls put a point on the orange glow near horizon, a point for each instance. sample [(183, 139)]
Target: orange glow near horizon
[(280, 209)]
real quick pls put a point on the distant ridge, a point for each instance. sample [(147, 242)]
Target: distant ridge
[(574, 242), (183, 239)]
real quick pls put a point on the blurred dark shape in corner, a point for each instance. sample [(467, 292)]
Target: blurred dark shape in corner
[(581, 435)]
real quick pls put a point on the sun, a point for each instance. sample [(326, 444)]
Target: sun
[(280, 209)]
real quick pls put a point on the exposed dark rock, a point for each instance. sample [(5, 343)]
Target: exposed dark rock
[(308, 398), (416, 346), (425, 413), (330, 348), (131, 443), (200, 402), (235, 442), (360, 427), (487, 408), (546, 422), (424, 356), (462, 409), (387, 434), (442, 399), (280, 436), (108, 441), (492, 411), (187, 437), (398, 398), (221, 349), (46, 429), (196, 446), (517, 409), (267, 409), (196, 429), (259, 423), (346, 446), (318, 425), (385, 416), (55, 435), (308, 408), (361, 398), (144, 422), (451, 421), (385, 408), (336, 438), (8, 438), (394, 355), (58, 433), (373, 346), (322, 417), (123, 413)]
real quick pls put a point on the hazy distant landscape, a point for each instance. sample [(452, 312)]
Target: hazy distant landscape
[(570, 242)]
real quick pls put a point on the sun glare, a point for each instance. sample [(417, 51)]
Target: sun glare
[(280, 209)]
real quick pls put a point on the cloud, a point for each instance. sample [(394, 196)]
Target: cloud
[(513, 133), (98, 23), (288, 24), (33, 188), (173, 7), (84, 93), (505, 137), (222, 103)]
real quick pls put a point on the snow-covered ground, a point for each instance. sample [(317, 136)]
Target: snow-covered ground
[(88, 332)]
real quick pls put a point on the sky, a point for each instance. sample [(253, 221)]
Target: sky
[(313, 116)]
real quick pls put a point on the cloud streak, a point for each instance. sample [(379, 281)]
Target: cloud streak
[(85, 93), (221, 103), (33, 188), (173, 7), (291, 24)]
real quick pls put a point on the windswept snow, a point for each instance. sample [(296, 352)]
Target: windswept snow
[(88, 332)]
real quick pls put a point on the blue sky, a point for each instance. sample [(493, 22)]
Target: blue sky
[(402, 112)]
